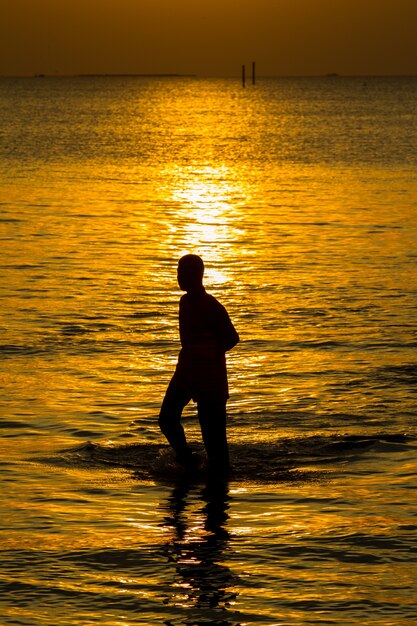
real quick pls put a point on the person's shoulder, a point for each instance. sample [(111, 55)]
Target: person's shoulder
[(214, 303), (211, 298)]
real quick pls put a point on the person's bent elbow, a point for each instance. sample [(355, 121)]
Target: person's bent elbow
[(232, 342)]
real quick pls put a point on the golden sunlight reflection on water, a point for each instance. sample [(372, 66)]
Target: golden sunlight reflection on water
[(208, 216)]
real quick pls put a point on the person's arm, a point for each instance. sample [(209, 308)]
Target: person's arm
[(184, 333), (226, 331)]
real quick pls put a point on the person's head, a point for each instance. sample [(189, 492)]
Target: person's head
[(190, 272)]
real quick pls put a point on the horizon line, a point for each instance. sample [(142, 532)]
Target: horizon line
[(189, 75)]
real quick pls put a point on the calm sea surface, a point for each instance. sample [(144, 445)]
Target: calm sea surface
[(301, 196)]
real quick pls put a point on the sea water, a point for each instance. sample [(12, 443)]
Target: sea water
[(301, 197)]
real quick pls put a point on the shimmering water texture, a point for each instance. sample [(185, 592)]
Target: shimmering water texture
[(301, 196)]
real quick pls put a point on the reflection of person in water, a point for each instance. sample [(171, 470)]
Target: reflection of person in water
[(205, 581), (206, 334)]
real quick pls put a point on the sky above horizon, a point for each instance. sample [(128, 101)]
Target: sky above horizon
[(208, 38)]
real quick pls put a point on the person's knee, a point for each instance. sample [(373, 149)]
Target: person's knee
[(172, 406), (161, 421), (167, 419), (213, 427)]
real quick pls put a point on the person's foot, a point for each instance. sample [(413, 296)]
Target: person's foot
[(219, 475), (190, 462)]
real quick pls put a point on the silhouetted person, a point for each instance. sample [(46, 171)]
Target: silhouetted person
[(206, 334)]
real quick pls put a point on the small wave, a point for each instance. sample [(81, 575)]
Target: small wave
[(16, 350), (144, 314), (398, 374), (13, 424), (318, 344), (295, 459), (74, 329), (21, 266), (306, 312)]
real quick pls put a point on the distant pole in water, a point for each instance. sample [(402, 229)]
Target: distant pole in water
[(243, 75), (253, 72)]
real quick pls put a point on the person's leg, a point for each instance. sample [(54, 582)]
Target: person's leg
[(212, 417), (169, 421)]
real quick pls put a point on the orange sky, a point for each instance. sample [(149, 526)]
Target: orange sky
[(208, 37)]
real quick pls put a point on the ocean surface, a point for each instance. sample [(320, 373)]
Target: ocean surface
[(301, 196)]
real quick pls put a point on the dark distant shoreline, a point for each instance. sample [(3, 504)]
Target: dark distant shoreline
[(114, 76), (136, 75)]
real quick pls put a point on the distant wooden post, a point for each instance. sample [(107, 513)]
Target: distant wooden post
[(243, 75), (253, 72)]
